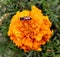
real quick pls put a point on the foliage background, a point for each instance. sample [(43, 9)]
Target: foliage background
[(49, 7)]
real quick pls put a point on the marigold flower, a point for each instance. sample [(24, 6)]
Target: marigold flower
[(30, 34)]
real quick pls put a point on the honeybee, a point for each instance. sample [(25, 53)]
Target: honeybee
[(25, 18)]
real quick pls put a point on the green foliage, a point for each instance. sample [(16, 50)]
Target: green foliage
[(49, 7)]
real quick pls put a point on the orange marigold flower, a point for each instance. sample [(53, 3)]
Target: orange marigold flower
[(30, 29)]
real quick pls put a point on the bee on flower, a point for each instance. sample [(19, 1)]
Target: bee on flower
[(29, 30)]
